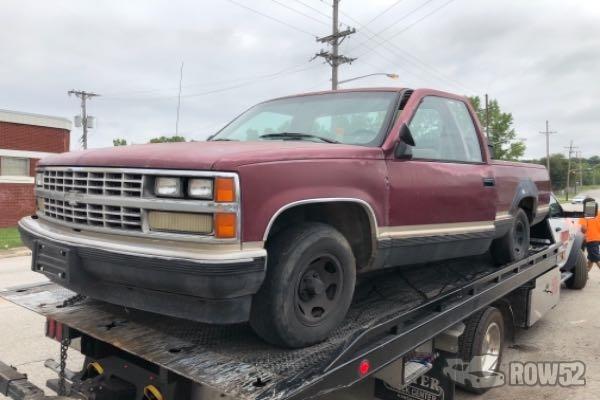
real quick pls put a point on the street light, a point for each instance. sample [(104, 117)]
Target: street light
[(391, 76)]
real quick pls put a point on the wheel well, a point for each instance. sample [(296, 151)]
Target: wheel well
[(527, 204), (350, 218)]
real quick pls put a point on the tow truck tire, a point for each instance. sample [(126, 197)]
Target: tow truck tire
[(580, 272), (311, 273), (484, 333), (514, 245)]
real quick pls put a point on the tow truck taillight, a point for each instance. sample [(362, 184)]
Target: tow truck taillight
[(364, 367)]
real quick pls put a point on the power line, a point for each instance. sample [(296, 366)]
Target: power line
[(393, 24), (258, 79), (412, 24), (312, 8), (383, 12), (270, 17), (300, 12), (409, 58)]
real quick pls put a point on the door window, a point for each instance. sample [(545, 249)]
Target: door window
[(444, 130)]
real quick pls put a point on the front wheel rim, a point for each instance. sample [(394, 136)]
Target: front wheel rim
[(319, 290)]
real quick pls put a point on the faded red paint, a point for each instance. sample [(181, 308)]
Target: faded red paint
[(274, 174)]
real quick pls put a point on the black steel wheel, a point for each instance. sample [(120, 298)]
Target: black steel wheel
[(319, 290), (311, 273), (514, 245)]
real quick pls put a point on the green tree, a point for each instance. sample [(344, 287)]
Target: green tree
[(502, 134), (119, 142), (558, 170), (168, 139)]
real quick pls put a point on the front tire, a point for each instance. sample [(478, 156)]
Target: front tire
[(580, 272), (311, 273), (514, 245)]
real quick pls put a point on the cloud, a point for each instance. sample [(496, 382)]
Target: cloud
[(538, 58)]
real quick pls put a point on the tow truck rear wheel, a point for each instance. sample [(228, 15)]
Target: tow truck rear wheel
[(514, 245), (580, 272), (311, 273), (481, 347)]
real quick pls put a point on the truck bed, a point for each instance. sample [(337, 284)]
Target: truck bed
[(233, 361)]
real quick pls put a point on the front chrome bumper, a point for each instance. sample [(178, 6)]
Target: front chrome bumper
[(199, 284)]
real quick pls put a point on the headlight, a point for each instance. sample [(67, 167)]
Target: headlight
[(200, 188), (167, 187), (39, 179)]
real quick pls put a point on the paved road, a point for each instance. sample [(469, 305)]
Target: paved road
[(22, 340), (569, 332)]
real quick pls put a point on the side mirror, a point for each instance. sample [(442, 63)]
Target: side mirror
[(590, 208), (405, 140)]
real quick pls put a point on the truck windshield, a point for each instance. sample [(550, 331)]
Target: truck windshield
[(358, 118)]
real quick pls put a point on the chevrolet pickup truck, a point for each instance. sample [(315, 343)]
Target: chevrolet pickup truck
[(271, 220)]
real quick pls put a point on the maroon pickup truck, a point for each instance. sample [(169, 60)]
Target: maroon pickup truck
[(272, 218)]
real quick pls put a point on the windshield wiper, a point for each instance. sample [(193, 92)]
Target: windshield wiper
[(222, 140), (296, 135)]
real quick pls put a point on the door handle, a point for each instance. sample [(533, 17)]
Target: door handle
[(489, 182)]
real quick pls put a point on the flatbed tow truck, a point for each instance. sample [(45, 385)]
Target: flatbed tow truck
[(399, 340)]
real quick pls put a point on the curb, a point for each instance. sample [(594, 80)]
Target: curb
[(16, 252)]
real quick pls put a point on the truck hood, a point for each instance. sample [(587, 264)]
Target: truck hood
[(209, 155)]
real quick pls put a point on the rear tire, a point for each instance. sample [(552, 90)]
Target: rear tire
[(311, 273), (481, 347), (580, 272), (514, 245)]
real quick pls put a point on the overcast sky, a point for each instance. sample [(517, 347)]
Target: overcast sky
[(539, 58)]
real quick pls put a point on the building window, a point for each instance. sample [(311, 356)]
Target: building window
[(12, 166)]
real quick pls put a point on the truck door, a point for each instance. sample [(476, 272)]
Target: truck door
[(442, 195)]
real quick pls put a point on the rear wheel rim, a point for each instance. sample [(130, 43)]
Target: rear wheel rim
[(520, 237), (490, 349), (319, 290)]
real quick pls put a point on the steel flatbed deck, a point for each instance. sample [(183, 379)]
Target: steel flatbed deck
[(393, 312)]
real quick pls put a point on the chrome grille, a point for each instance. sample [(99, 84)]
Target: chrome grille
[(96, 215), (106, 183)]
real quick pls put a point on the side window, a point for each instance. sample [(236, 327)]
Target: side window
[(443, 130)]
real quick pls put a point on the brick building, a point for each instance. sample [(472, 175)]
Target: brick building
[(24, 139)]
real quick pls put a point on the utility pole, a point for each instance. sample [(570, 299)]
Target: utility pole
[(333, 58), (83, 95), (548, 133), (179, 100), (487, 118), (580, 169), (571, 149)]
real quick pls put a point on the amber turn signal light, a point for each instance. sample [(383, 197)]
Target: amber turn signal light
[(225, 225), (224, 190)]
